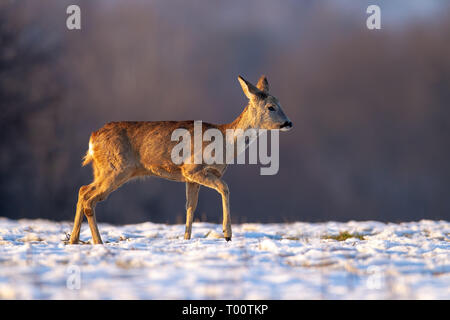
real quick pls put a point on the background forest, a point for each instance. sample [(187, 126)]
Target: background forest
[(371, 109)]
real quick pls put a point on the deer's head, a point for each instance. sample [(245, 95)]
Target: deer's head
[(264, 110)]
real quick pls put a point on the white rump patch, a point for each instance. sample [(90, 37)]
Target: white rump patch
[(91, 149)]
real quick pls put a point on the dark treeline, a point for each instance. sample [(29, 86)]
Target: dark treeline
[(370, 108)]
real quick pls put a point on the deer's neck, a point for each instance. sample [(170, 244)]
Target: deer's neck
[(243, 121)]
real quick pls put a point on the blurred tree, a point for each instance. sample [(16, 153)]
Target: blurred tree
[(370, 108)]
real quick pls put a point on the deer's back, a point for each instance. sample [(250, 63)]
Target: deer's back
[(142, 146)]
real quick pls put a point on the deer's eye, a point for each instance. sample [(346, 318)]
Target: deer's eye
[(271, 108)]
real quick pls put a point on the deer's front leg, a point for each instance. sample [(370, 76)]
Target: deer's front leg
[(213, 181), (191, 203)]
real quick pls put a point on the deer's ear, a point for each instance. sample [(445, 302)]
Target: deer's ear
[(263, 84), (250, 90)]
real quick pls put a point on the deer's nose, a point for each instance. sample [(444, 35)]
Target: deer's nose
[(286, 125)]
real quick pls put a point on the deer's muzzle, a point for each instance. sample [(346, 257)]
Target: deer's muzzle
[(287, 125)]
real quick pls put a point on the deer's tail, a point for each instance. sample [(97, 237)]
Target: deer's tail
[(89, 154)]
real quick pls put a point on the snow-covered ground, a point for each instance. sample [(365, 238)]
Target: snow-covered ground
[(264, 261)]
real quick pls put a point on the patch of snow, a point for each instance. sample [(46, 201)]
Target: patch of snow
[(263, 261)]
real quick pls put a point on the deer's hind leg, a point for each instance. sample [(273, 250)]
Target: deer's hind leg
[(75, 235), (191, 204), (104, 185)]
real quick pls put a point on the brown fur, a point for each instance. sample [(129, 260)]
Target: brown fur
[(121, 151)]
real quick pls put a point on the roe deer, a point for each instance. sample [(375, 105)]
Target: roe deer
[(121, 151)]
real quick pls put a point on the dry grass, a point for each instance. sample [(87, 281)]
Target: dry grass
[(344, 235)]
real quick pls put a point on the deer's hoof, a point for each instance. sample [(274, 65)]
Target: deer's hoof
[(228, 238)]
